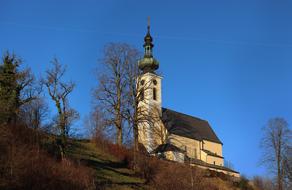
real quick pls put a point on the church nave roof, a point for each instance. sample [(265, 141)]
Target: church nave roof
[(188, 126)]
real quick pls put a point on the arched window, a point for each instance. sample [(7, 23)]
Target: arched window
[(147, 50), (142, 82), (142, 94), (154, 94)]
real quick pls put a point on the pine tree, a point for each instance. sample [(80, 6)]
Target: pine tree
[(16, 88), (9, 90)]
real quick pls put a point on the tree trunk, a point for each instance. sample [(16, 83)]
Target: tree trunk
[(279, 165), (11, 161), (119, 136), (279, 178), (136, 141), (136, 147)]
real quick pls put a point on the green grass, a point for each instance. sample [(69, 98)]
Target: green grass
[(109, 172)]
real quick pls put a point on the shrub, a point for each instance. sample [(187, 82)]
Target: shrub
[(146, 166), (121, 153), (243, 184), (25, 165), (167, 175), (261, 183)]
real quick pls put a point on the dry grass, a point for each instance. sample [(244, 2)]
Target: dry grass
[(99, 165), (24, 165), (165, 175)]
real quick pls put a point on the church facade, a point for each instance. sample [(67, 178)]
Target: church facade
[(169, 134)]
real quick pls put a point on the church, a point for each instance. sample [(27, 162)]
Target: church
[(168, 134)]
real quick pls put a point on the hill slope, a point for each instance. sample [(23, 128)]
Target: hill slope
[(110, 173)]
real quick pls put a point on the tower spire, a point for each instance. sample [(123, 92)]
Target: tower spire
[(148, 63), (148, 24)]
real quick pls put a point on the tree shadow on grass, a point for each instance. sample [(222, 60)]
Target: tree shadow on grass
[(106, 165), (103, 181), (92, 159)]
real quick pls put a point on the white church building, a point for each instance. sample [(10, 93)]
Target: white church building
[(172, 135)]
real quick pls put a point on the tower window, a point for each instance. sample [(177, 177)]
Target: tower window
[(147, 50), (154, 82), (154, 94), (142, 82), (142, 94)]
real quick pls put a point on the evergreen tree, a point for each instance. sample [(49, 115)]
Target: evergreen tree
[(9, 91), (16, 88)]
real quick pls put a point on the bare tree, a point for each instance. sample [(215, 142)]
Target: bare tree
[(112, 90), (135, 94), (95, 124), (121, 92), (138, 116), (228, 164), (277, 137), (288, 165), (262, 183), (59, 91), (34, 113)]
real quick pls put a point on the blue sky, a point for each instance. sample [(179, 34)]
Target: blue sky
[(229, 62)]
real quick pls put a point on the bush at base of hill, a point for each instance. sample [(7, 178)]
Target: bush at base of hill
[(24, 165)]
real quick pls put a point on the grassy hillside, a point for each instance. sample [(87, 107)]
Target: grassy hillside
[(30, 164), (109, 172)]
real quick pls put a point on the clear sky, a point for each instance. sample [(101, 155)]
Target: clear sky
[(228, 62)]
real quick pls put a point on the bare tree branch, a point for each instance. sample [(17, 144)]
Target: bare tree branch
[(277, 137), (59, 91)]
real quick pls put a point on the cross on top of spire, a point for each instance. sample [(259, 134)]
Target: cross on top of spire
[(148, 23), (148, 38)]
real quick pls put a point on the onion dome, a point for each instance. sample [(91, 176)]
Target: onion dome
[(148, 63)]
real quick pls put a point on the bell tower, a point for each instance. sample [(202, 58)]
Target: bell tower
[(149, 85)]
